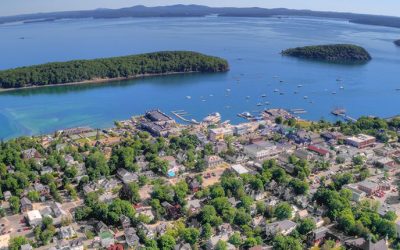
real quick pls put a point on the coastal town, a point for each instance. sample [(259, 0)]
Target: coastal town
[(278, 182)]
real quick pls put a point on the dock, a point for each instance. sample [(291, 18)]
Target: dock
[(342, 113), (180, 114), (298, 111)]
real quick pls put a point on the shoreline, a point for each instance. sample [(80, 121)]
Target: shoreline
[(102, 80)]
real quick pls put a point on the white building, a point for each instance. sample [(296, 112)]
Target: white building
[(34, 217), (239, 169)]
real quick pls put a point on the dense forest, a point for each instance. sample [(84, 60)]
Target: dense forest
[(331, 53), (397, 42), (109, 68)]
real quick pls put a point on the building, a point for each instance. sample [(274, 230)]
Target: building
[(316, 236), (31, 154), (363, 244), (66, 233), (26, 247), (218, 134), (361, 141), (131, 238), (368, 187), (385, 162), (356, 194), (213, 161), (34, 218), (126, 177), (320, 151), (261, 150), (158, 116), (26, 205), (4, 241), (284, 227), (239, 169)]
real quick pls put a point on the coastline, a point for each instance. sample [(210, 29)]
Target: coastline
[(101, 80)]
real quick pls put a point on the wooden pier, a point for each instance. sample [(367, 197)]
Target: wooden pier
[(342, 113)]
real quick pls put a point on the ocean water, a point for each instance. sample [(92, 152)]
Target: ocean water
[(251, 45)]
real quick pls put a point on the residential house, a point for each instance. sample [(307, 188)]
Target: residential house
[(173, 211), (26, 205), (126, 176), (183, 246), (368, 187), (284, 227), (66, 233), (34, 218), (213, 161), (363, 244), (125, 221), (31, 153), (317, 236), (131, 238)]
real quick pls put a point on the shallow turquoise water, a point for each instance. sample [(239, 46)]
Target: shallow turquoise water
[(252, 47)]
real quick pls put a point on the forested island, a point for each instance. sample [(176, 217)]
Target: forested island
[(397, 42), (337, 53), (126, 67), (201, 11)]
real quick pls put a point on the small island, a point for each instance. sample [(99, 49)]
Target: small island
[(336, 53), (115, 68), (397, 42)]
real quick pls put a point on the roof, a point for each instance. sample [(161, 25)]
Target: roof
[(240, 169), (282, 225), (34, 215), (368, 184), (361, 138), (318, 150)]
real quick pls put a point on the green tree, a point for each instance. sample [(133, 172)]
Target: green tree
[(15, 204), (221, 245), (283, 211), (166, 242), (16, 242), (191, 235), (236, 239), (33, 196), (281, 242), (306, 226)]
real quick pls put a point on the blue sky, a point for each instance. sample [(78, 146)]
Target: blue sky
[(384, 7)]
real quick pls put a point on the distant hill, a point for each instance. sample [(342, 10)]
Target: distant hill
[(199, 11), (337, 53)]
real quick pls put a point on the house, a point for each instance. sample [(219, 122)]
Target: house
[(183, 246), (126, 177), (125, 221), (368, 187), (225, 228), (106, 239), (316, 236), (34, 218), (261, 150), (213, 161), (100, 227), (131, 238), (385, 162), (173, 167), (46, 170), (172, 211), (194, 184), (26, 205), (218, 134), (302, 213), (26, 247), (220, 147), (319, 150), (42, 189), (356, 194), (303, 154), (7, 195), (66, 233), (239, 169), (31, 153), (363, 244), (361, 141), (148, 231), (284, 227)]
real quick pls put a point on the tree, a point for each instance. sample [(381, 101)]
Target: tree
[(33, 196), (306, 226), (130, 192), (15, 204), (300, 187), (16, 242), (283, 211), (281, 242), (208, 214), (242, 217), (166, 242), (279, 120), (221, 245), (96, 165), (207, 231), (236, 239), (191, 235)]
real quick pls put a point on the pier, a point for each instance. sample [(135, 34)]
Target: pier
[(180, 114), (342, 113), (298, 111)]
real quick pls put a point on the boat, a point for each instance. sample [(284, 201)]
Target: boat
[(276, 90), (338, 79), (263, 95), (398, 89), (338, 111), (188, 97), (212, 118), (341, 87), (281, 93), (259, 104), (305, 97), (299, 86), (228, 90), (211, 95), (246, 115), (248, 97), (334, 93), (295, 92), (280, 81)]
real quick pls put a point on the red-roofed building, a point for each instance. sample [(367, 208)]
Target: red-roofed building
[(322, 152), (116, 247)]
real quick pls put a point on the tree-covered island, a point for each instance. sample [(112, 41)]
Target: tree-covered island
[(397, 42), (337, 53), (126, 67)]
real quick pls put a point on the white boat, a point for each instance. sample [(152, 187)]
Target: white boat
[(341, 87), (266, 103), (248, 97), (305, 97), (299, 86), (333, 93), (263, 95), (188, 97), (259, 104), (229, 90), (276, 90), (211, 95)]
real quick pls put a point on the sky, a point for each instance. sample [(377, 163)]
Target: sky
[(380, 7)]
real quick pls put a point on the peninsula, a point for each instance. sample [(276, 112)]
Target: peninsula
[(397, 42), (115, 68), (337, 53)]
